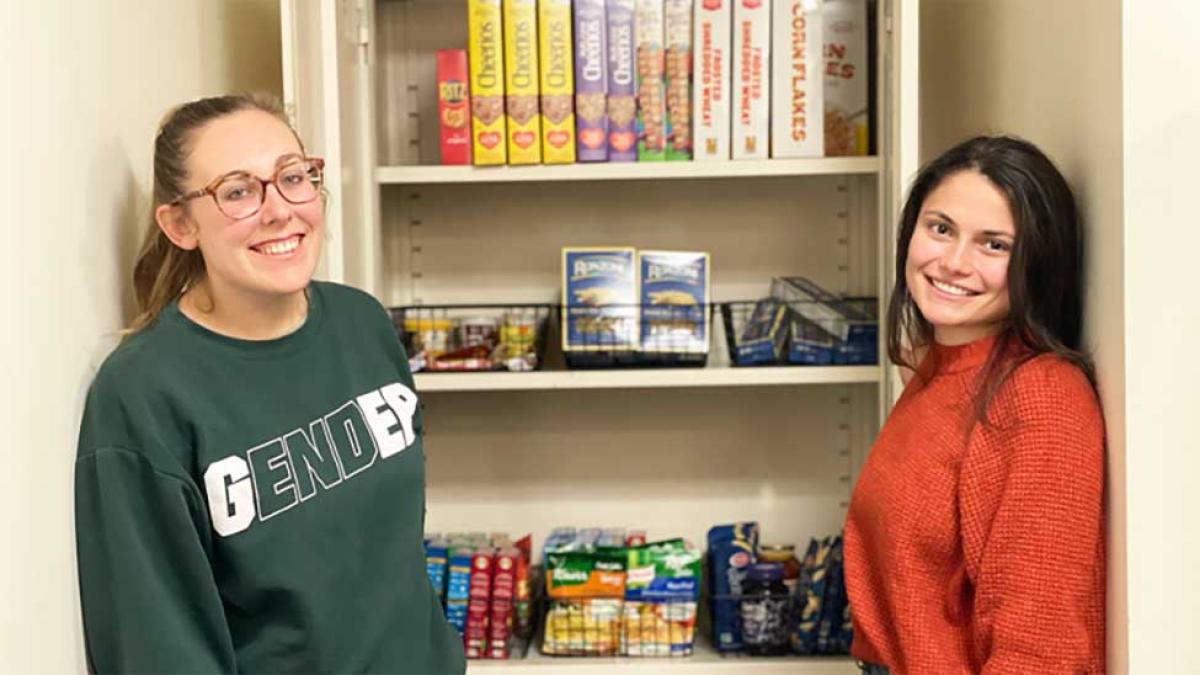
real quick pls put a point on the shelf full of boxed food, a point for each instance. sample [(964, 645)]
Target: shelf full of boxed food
[(565, 81)]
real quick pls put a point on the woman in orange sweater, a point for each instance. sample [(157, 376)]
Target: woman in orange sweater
[(975, 537)]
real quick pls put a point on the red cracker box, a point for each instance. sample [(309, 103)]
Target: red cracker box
[(751, 61), (454, 110), (797, 74), (475, 638), (711, 67), (481, 575)]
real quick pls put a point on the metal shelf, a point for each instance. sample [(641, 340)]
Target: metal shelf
[(647, 378), (705, 661)]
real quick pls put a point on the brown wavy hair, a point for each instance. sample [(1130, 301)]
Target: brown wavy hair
[(1045, 272), (163, 271)]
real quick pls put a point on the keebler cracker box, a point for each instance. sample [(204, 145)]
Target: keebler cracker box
[(487, 82), (600, 299), (711, 67), (622, 82), (651, 85), (797, 74), (591, 80), (677, 36), (521, 82), (454, 112), (557, 71), (751, 87)]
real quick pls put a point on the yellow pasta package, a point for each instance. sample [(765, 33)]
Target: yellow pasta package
[(556, 48), (488, 136), (521, 82)]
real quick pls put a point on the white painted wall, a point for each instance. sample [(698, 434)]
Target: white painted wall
[(1161, 65), (85, 85)]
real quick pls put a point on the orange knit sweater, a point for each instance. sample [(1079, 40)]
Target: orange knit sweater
[(982, 552)]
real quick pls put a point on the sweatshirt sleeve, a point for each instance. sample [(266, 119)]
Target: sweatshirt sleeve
[(150, 601), (1032, 508)]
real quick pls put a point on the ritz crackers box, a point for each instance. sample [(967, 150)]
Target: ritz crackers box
[(846, 75), (557, 72), (651, 85), (677, 40), (487, 82), (454, 109), (751, 59), (797, 74), (711, 65), (591, 81), (521, 82), (622, 84)]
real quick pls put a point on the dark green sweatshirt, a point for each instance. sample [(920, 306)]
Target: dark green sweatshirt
[(258, 506)]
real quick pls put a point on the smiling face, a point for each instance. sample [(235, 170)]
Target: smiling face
[(269, 254), (957, 265)]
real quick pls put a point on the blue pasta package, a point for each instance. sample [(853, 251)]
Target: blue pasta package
[(674, 290), (599, 295), (732, 549)]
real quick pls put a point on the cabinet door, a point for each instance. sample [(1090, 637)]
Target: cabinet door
[(327, 75)]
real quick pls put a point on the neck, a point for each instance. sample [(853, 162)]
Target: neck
[(245, 316), (954, 336)]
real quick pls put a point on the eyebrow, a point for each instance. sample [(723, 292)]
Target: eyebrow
[(986, 233), (280, 161)]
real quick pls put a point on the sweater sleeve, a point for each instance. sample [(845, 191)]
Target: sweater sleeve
[(150, 601), (1031, 499)]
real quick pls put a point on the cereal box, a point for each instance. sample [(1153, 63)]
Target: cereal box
[(797, 73), (487, 82), (847, 105), (521, 82), (622, 87), (651, 85), (591, 81), (599, 298), (751, 60), (454, 109), (677, 37), (711, 63), (674, 292), (557, 74)]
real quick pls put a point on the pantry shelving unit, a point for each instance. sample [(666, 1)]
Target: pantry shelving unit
[(671, 451)]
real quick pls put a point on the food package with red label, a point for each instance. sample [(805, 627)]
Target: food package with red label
[(454, 110)]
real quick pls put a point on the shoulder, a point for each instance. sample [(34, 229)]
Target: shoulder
[(341, 296), (1048, 382)]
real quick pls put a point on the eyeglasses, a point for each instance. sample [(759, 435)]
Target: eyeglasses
[(240, 195)]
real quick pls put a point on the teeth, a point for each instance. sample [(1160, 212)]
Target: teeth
[(950, 288), (280, 247)]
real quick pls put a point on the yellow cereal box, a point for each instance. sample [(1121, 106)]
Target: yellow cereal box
[(521, 82), (556, 48), (487, 82)]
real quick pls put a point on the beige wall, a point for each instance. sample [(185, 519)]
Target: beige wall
[(86, 83), (1161, 64), (1050, 72)]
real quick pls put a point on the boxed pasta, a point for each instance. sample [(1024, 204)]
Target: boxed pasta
[(675, 292), (677, 41), (489, 139), (711, 64), (797, 76), (521, 82), (764, 335), (847, 100), (600, 299), (622, 84), (651, 85), (751, 60), (557, 73), (856, 332), (454, 116), (591, 81)]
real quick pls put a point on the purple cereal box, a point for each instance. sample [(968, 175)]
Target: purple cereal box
[(591, 81), (622, 85)]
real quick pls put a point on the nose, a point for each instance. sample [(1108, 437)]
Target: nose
[(957, 259), (275, 209)]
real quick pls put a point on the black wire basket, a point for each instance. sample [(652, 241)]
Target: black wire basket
[(614, 626), (636, 335), (473, 338), (776, 332)]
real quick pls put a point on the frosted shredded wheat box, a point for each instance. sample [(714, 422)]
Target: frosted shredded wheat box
[(711, 64), (751, 61)]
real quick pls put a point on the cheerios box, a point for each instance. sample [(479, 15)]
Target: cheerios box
[(523, 117), (486, 50), (797, 80), (557, 71), (675, 292), (599, 297), (591, 81), (622, 81), (711, 61), (751, 83)]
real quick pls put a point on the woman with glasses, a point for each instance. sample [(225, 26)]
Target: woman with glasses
[(250, 474)]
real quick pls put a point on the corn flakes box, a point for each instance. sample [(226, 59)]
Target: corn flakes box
[(622, 82), (677, 37), (847, 103), (599, 296), (523, 116), (591, 81), (751, 61), (711, 97), (557, 73), (486, 47), (651, 83), (674, 290), (797, 80)]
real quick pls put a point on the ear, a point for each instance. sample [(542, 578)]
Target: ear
[(174, 222)]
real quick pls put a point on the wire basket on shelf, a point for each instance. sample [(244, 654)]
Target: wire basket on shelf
[(614, 626), (801, 332), (636, 335), (464, 338)]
